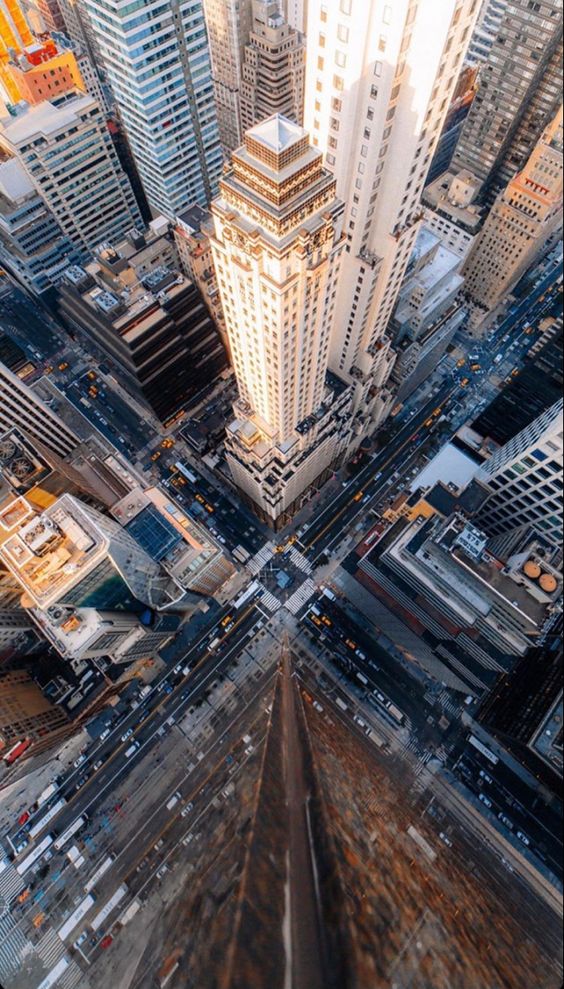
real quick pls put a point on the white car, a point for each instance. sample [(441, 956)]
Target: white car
[(485, 800), (523, 837), (127, 734), (78, 762), (80, 940), (318, 706)]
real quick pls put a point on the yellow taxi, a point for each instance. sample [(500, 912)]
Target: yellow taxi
[(359, 496), (91, 376), (464, 382), (350, 644), (63, 365), (167, 443), (461, 362), (156, 455)]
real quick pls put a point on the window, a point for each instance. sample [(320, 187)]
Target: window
[(387, 15), (378, 69), (336, 105), (382, 43), (322, 41), (343, 33), (345, 6), (340, 59), (338, 83), (323, 14), (320, 64)]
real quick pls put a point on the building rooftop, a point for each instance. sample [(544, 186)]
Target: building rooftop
[(49, 551), (44, 119), (451, 466), (277, 133), (193, 217), (15, 183)]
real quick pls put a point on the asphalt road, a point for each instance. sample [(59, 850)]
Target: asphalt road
[(145, 721), (235, 526), (514, 806), (146, 768)]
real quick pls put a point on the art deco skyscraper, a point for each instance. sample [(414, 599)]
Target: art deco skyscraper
[(522, 220), (229, 26), (379, 82), (520, 88), (273, 69), (277, 247), (157, 63)]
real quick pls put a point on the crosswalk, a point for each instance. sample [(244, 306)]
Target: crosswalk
[(50, 948), (11, 883), (14, 946), (260, 559), (300, 561), (448, 704), (71, 977), (270, 601), (301, 596)]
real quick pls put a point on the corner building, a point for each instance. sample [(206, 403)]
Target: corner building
[(277, 249), (379, 83)]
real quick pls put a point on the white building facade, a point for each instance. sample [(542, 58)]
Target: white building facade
[(277, 250), (68, 155), (379, 82), (157, 62), (20, 406), (525, 476)]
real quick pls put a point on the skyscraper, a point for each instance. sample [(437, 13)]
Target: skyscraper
[(523, 219), (485, 32), (380, 78), (68, 155), (519, 93), (277, 248), (26, 714), (295, 12), (153, 325), (33, 246), (273, 68), (525, 476), (229, 26), (158, 66), (89, 586), (19, 406)]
